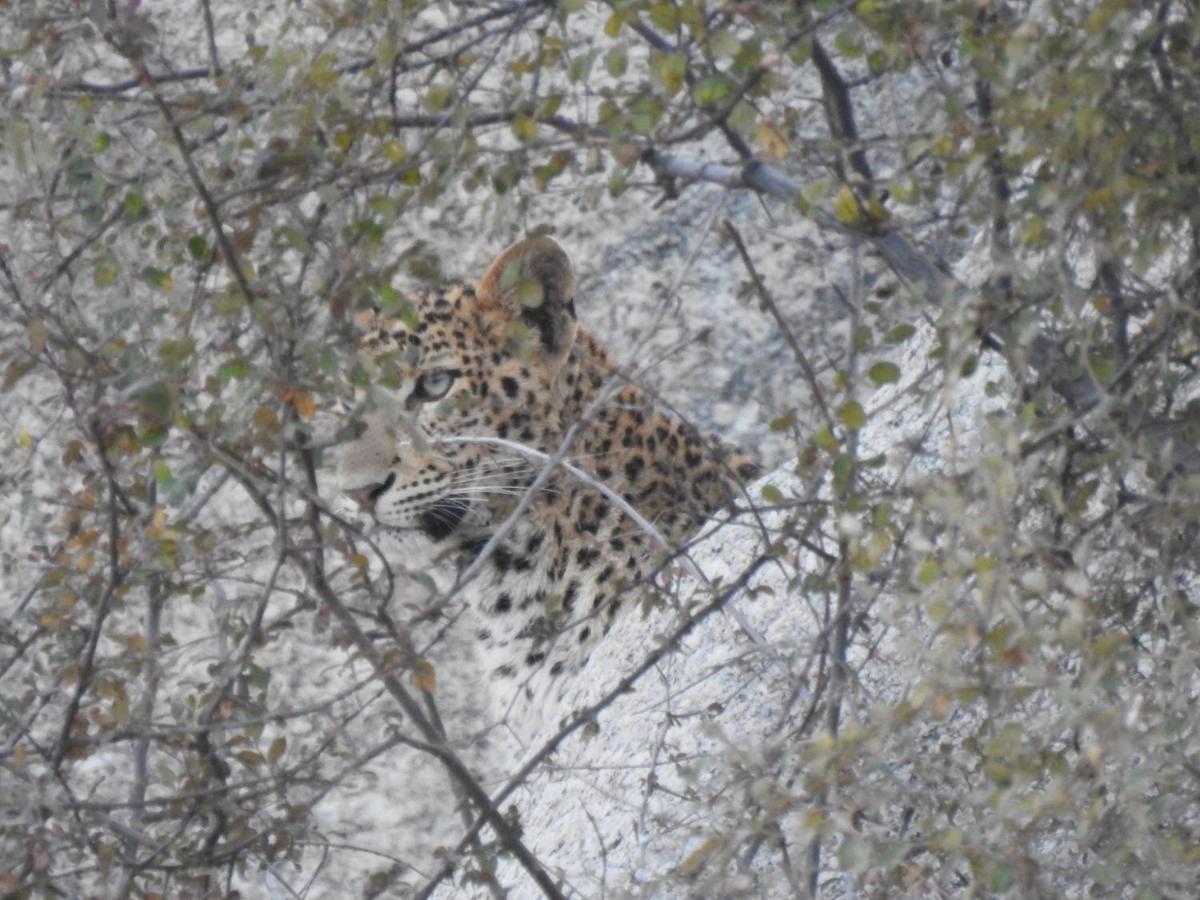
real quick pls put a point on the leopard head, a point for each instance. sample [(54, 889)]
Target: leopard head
[(458, 377)]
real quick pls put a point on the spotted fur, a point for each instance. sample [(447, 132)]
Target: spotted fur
[(464, 368)]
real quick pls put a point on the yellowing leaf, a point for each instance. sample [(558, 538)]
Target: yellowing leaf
[(38, 335), (438, 97), (323, 74), (395, 151), (615, 61), (875, 210), (695, 862), (265, 418), (664, 16), (825, 439), (772, 142), (252, 759), (846, 207), (423, 677), (524, 128)]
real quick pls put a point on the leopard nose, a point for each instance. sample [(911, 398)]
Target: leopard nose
[(366, 495)]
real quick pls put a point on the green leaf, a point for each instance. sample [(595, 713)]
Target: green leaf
[(258, 676), (438, 97), (927, 571), (783, 423), (900, 334), (235, 368), (295, 239), (723, 42), (1002, 875), (615, 61), (15, 372), (135, 204), (884, 373), (644, 113), (394, 151), (251, 759), (852, 415), (825, 439), (198, 247), (387, 295), (550, 106), (711, 89), (158, 278), (174, 353), (843, 470), (323, 74), (156, 401), (664, 16), (529, 292), (581, 67), (371, 230), (669, 69), (772, 494), (387, 207), (276, 750)]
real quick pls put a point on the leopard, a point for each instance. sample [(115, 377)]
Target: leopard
[(498, 427)]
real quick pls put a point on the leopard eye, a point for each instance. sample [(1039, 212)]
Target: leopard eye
[(434, 384)]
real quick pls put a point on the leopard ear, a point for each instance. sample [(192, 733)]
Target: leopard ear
[(533, 280)]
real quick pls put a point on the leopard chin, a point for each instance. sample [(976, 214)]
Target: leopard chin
[(443, 518)]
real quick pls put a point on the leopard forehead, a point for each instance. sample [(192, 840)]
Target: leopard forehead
[(433, 326)]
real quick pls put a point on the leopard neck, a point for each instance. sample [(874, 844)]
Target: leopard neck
[(661, 465)]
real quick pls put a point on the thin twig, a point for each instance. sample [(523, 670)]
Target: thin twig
[(214, 61), (768, 301), (489, 811), (589, 714), (839, 110), (210, 206)]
